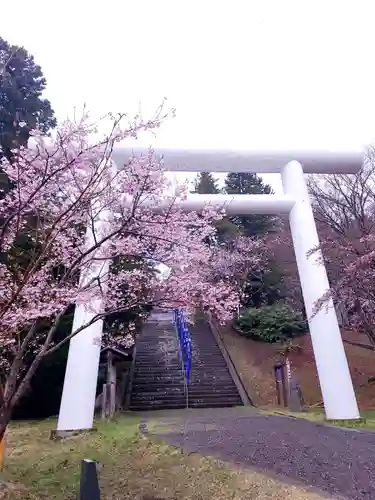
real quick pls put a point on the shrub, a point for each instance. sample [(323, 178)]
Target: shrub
[(275, 323)]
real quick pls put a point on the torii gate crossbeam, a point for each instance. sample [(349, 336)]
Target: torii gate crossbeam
[(78, 399)]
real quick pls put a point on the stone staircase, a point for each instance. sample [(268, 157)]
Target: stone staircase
[(158, 381)]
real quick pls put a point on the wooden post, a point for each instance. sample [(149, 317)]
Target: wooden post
[(279, 382), (295, 397), (121, 390), (283, 383), (112, 400), (111, 383), (104, 402), (288, 377)]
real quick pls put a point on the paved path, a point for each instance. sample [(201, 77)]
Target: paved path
[(336, 461)]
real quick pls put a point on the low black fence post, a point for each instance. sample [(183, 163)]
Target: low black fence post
[(89, 485)]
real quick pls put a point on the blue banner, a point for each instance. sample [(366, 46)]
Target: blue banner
[(184, 338)]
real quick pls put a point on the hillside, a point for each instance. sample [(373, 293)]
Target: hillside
[(254, 362)]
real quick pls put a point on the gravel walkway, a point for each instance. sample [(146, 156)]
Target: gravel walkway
[(339, 462)]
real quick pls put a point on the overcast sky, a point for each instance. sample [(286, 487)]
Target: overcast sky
[(242, 74)]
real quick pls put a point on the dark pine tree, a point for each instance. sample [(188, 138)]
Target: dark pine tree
[(22, 107), (205, 183), (265, 288), (249, 183)]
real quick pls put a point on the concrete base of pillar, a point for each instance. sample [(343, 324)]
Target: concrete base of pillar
[(57, 435), (347, 421)]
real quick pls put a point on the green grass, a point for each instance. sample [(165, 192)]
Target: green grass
[(131, 467), (45, 465), (367, 421)]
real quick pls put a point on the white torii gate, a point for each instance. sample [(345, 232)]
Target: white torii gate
[(78, 398)]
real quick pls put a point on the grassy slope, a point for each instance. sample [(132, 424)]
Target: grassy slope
[(254, 362), (132, 467)]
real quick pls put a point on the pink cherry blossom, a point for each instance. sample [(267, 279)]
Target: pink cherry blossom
[(75, 213)]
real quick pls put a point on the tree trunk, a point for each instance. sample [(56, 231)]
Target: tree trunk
[(19, 379), (13, 391), (5, 415), (368, 328)]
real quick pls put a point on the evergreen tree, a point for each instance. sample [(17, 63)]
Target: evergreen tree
[(249, 183), (258, 290), (205, 183), (264, 288), (22, 107)]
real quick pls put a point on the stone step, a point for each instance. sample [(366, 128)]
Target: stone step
[(155, 377), (164, 384), (206, 353), (161, 382), (180, 392), (157, 349), (193, 385), (160, 391), (194, 378), (178, 372), (176, 363), (157, 331), (200, 375), (157, 338), (214, 404), (151, 328), (168, 398), (214, 397), (196, 371), (150, 366), (156, 388), (158, 377), (179, 388), (161, 405), (193, 382), (215, 375), (194, 388), (220, 367), (157, 358), (229, 389), (146, 358), (156, 334)]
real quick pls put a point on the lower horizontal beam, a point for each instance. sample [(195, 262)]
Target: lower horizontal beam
[(240, 204)]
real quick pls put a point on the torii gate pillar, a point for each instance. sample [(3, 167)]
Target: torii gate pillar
[(332, 365)]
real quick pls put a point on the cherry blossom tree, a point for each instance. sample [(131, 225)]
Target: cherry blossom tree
[(68, 220), (344, 211), (353, 262)]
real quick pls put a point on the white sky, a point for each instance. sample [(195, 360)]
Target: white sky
[(251, 74)]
